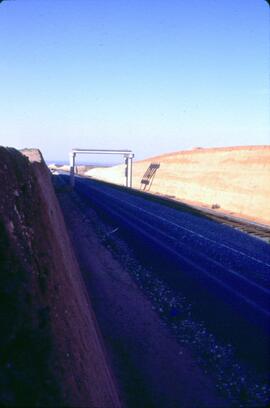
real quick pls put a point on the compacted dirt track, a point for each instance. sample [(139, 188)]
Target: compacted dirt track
[(152, 369)]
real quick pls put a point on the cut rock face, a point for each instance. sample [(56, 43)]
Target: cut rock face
[(50, 347)]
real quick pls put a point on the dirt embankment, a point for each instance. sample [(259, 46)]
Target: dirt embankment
[(51, 351), (233, 180)]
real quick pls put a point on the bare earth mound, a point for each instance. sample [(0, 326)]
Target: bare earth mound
[(233, 180), (51, 352)]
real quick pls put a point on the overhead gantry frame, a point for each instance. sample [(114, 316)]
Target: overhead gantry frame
[(127, 154)]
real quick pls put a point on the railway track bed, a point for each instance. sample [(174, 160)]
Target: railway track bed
[(195, 318)]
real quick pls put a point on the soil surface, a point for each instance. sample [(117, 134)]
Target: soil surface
[(152, 368)]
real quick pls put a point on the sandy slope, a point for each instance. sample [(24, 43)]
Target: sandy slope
[(233, 179)]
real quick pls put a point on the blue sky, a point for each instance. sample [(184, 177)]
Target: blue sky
[(153, 75)]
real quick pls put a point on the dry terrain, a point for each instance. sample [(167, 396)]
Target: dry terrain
[(233, 180)]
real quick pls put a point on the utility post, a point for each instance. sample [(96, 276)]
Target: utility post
[(129, 160), (72, 156), (126, 169)]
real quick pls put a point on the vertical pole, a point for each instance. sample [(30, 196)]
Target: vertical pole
[(126, 170), (71, 168), (129, 170)]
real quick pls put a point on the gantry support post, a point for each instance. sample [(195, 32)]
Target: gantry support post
[(129, 170), (126, 169), (72, 157)]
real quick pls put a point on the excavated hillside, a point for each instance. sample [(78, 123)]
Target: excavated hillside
[(51, 350), (233, 180)]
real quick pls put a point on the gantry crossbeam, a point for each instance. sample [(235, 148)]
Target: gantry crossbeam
[(127, 154)]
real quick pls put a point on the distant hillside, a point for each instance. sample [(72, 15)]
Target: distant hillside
[(229, 179)]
